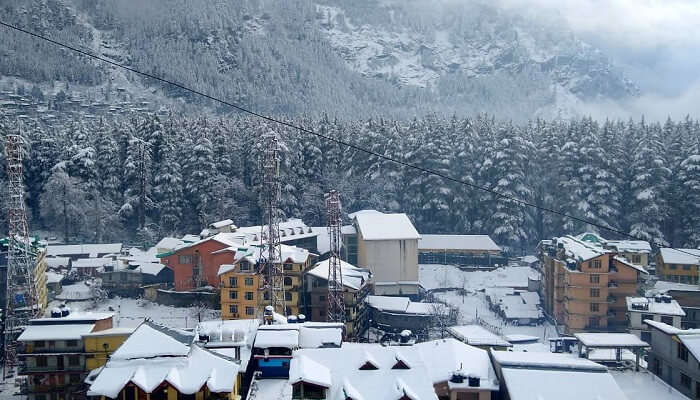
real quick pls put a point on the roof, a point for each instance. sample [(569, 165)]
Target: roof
[(291, 229), (169, 243), (151, 340), (610, 340), (188, 373), (626, 262), (305, 369), (306, 335), (55, 262), (254, 253), (267, 338), (674, 256), (92, 249), (692, 342), (655, 307), (528, 384), (446, 356), (665, 286), (402, 305), (630, 246), (476, 335), (353, 277), (458, 242), (379, 226), (119, 331), (52, 277), (224, 268), (311, 337), (73, 317), (518, 359), (91, 262), (149, 268), (224, 335), (221, 224), (55, 332), (580, 250)]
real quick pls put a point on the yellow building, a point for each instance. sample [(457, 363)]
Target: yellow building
[(101, 344), (242, 293), (678, 265), (39, 276)]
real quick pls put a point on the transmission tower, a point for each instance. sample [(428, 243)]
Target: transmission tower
[(20, 298), (271, 267), (336, 303)]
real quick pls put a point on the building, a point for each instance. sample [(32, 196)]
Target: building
[(516, 307), (395, 314), (77, 251), (101, 344), (585, 285), (357, 284), (293, 232), (224, 226), (478, 336), (242, 292), (90, 267), (53, 284), (478, 251), (130, 280), (52, 353), (387, 244), (688, 296), (157, 362), (548, 376), (675, 357), (634, 251), (678, 265), (661, 308), (38, 274)]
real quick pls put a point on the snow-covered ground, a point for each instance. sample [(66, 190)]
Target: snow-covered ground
[(434, 276)]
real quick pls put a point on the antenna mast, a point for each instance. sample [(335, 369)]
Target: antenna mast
[(20, 297), (336, 302), (271, 269)]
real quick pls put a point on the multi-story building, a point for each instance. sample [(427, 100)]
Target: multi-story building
[(357, 285), (659, 308), (678, 265), (99, 345), (53, 356), (242, 292), (585, 286), (38, 274), (634, 251), (675, 357)]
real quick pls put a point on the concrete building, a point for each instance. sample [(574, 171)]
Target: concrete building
[(53, 356), (477, 251), (637, 252), (675, 357), (38, 273), (585, 285), (357, 284), (660, 308), (77, 251), (688, 296), (387, 245), (478, 336), (395, 314), (678, 265), (99, 345)]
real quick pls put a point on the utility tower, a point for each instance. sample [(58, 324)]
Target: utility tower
[(20, 298), (271, 266), (336, 302)]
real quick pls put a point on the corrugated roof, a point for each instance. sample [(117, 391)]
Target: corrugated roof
[(379, 226), (458, 242)]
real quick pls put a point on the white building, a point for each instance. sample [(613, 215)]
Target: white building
[(660, 308), (387, 244)]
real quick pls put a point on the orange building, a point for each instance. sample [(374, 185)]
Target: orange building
[(585, 286)]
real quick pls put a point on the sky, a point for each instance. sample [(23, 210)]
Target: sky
[(656, 43)]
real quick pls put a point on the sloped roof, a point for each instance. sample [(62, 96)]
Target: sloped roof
[(55, 332), (545, 384), (380, 226), (477, 335), (91, 249), (610, 340), (674, 256), (654, 307), (353, 277), (152, 340)]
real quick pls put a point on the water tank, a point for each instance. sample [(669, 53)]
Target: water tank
[(65, 312), (474, 381), (292, 319), (405, 336), (301, 318), (56, 313), (226, 334)]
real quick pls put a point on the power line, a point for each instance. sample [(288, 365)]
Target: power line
[(338, 141)]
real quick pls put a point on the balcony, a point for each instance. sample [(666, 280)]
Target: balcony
[(612, 284), (611, 299)]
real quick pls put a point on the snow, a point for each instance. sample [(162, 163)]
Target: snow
[(457, 242), (224, 268), (477, 335), (517, 359), (57, 262), (654, 307), (448, 276), (661, 287), (77, 249), (692, 342), (219, 342), (630, 246), (353, 277), (286, 338), (380, 226), (53, 277), (446, 356), (76, 291), (402, 305), (305, 369), (270, 389), (151, 268), (291, 229), (644, 385), (118, 331), (311, 338), (624, 261), (579, 250), (680, 256), (91, 262), (169, 243), (515, 338), (55, 332), (252, 252), (610, 340), (666, 328), (221, 224), (149, 340), (528, 384)]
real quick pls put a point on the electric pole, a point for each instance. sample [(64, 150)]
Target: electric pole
[(336, 301)]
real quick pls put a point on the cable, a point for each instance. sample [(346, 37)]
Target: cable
[(338, 141)]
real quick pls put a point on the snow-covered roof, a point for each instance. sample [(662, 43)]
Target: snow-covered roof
[(652, 306), (446, 356), (188, 373), (73, 317), (629, 246), (666, 286), (55, 332), (221, 224), (117, 331), (580, 250), (457, 242), (323, 242), (286, 338), (666, 328), (56, 262), (305, 369), (291, 229), (626, 262), (224, 335), (610, 340), (546, 384), (254, 253), (169, 243), (379, 226), (353, 277), (402, 305), (91, 262), (692, 342), (316, 337), (151, 268), (151, 340), (52, 277), (680, 256), (91, 249), (224, 268), (476, 335), (521, 359)]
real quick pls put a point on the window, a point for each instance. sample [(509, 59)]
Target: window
[(647, 316), (73, 360), (594, 322), (232, 294), (400, 365), (287, 281), (245, 266), (39, 343), (682, 352), (685, 380), (75, 378), (595, 307), (686, 268), (233, 309), (233, 282), (673, 266), (249, 281), (195, 271), (636, 258), (184, 259), (42, 361), (595, 292), (249, 295), (288, 266), (321, 298), (40, 397), (667, 319), (71, 343), (595, 279), (249, 311), (368, 366), (288, 296), (595, 264)]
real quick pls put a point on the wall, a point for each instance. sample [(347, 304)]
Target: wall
[(99, 353), (183, 277), (389, 260), (664, 362)]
